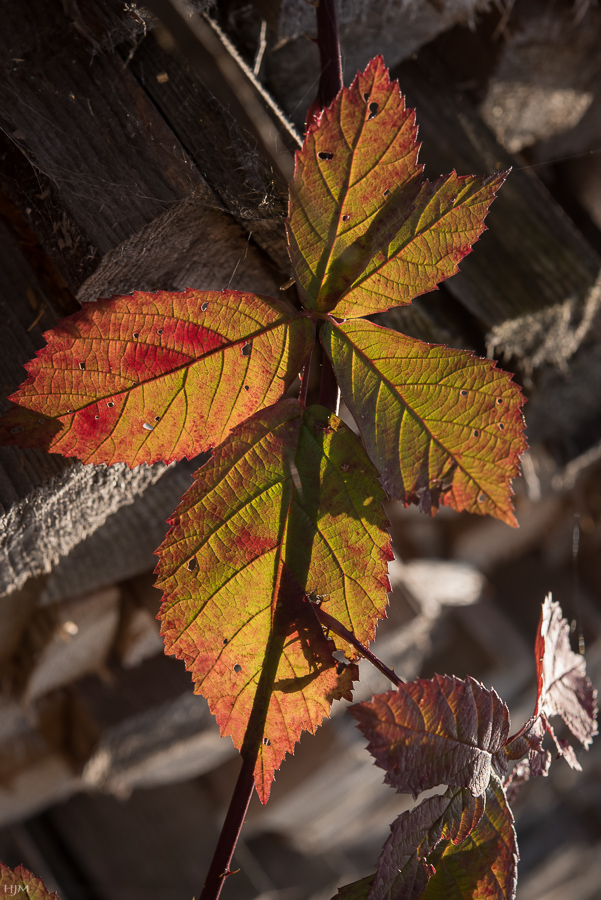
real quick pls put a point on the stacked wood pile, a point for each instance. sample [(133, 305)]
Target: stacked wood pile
[(120, 170)]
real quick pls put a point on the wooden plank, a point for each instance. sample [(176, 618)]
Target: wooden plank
[(118, 203)]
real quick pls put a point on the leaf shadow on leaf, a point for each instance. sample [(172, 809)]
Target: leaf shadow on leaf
[(385, 225)]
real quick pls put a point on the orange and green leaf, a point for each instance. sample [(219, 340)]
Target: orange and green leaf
[(440, 425), (156, 377), (366, 230), (287, 509)]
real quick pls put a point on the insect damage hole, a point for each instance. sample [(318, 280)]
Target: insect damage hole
[(237, 668), (366, 97), (246, 349), (325, 154), (266, 742), (204, 307), (192, 564), (463, 393), (373, 110), (82, 366), (136, 335), (345, 217)]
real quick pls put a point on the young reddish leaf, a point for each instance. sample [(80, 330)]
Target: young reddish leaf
[(20, 881), (151, 377), (441, 426), (435, 731), (288, 503), (366, 231), (403, 870), (563, 688), (484, 865)]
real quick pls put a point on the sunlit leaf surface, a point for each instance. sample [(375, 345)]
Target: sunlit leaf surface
[(156, 377), (366, 230), (441, 426), (289, 507)]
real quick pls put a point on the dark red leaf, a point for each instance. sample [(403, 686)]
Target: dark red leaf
[(435, 731), (403, 870)]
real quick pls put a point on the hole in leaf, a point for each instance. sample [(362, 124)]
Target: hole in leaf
[(192, 564), (246, 387), (499, 401), (110, 404), (373, 110), (159, 330), (345, 218), (325, 154), (386, 192), (82, 366), (266, 742), (204, 307), (16, 430), (225, 641), (481, 498), (237, 668), (96, 417), (157, 418), (463, 393), (147, 427), (246, 349), (476, 432), (366, 97), (501, 426), (136, 335)]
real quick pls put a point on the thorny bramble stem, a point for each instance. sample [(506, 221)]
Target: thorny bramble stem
[(220, 866), (329, 85)]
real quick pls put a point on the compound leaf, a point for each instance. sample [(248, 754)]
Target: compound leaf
[(288, 508), (366, 230), (156, 377), (484, 865), (435, 731), (19, 881), (440, 425)]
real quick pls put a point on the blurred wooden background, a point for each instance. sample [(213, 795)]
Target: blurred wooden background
[(120, 170)]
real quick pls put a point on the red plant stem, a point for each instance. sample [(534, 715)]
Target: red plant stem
[(330, 85), (330, 82), (220, 865), (338, 628)]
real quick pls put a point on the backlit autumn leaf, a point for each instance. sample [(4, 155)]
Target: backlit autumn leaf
[(156, 377), (366, 230), (288, 507), (441, 426)]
